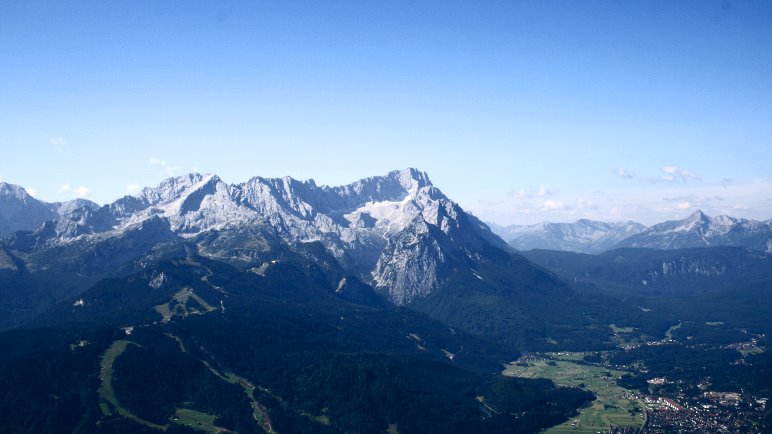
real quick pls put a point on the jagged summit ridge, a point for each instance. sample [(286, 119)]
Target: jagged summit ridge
[(701, 230), (20, 211), (588, 236), (12, 191), (395, 231)]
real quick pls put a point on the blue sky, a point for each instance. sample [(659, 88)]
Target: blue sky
[(520, 111)]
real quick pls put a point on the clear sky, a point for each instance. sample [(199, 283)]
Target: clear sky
[(522, 111)]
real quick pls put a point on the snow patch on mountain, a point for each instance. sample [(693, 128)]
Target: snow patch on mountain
[(395, 231)]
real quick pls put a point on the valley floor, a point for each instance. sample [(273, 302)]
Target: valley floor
[(652, 409), (615, 406)]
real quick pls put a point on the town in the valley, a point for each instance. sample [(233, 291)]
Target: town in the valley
[(658, 405)]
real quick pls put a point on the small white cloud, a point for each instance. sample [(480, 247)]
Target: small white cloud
[(517, 194), (675, 174), (531, 193), (32, 192), (60, 143), (586, 204), (623, 173), (551, 205), (694, 200), (168, 169), (740, 207), (2, 178), (616, 212), (69, 191), (684, 205), (82, 191), (543, 191), (133, 188)]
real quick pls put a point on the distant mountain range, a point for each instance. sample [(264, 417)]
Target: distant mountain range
[(583, 236), (699, 230), (587, 236)]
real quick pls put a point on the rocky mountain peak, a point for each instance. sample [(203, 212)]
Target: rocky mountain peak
[(396, 231), (14, 192), (701, 230), (411, 179), (173, 189), (70, 206), (20, 211)]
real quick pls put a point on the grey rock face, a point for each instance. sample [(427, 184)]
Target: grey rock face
[(397, 232), (20, 211)]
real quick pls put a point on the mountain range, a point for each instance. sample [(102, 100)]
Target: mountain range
[(700, 230), (20, 211), (278, 305), (393, 239), (588, 236), (397, 232), (583, 236)]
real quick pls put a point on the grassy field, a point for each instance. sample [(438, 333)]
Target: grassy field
[(164, 311), (626, 336), (197, 420), (669, 332), (567, 356), (613, 407), (260, 271), (259, 412), (108, 402), (322, 419), (616, 329), (180, 305), (751, 351), (106, 391), (6, 263)]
